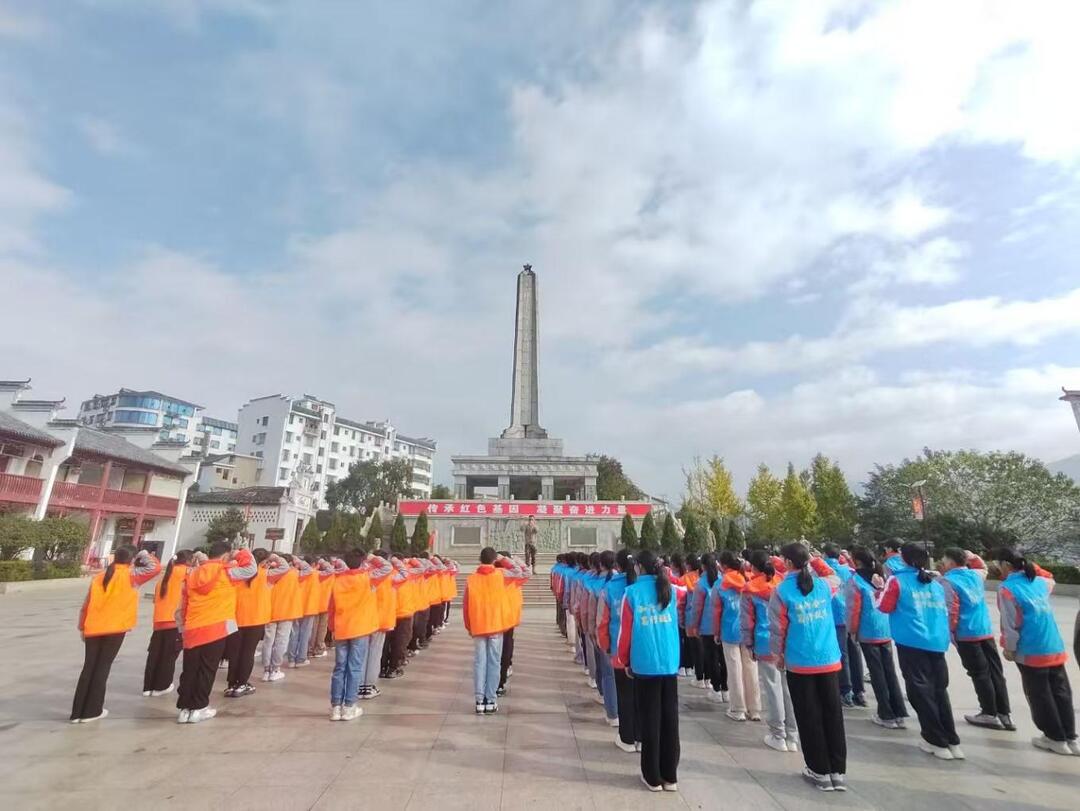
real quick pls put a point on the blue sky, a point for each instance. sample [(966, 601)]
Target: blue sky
[(761, 230)]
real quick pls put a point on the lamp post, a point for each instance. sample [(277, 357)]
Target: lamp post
[(918, 507)]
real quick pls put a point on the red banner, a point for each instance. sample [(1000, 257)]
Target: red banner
[(542, 509)]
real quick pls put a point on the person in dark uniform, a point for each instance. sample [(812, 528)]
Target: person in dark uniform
[(530, 532)]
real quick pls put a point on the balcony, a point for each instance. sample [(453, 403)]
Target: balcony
[(90, 497), (19, 489)]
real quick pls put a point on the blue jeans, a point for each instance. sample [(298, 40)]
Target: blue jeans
[(298, 641), (851, 666), (349, 658), (605, 683), (486, 664)]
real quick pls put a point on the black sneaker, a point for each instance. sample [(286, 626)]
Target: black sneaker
[(230, 692), (491, 707), (500, 692), (860, 701), (243, 690), (846, 700)]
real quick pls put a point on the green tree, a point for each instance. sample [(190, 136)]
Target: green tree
[(18, 534), (61, 539), (612, 484), (669, 536), (628, 534), (333, 540), (371, 483), (716, 531), (710, 492), (734, 540), (226, 526), (375, 531), (420, 534), (798, 512), (442, 492), (693, 540), (352, 529), (650, 538), (310, 539), (836, 506), (763, 505), (399, 544)]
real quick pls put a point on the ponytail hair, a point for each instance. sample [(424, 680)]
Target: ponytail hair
[(760, 560), (650, 564), (866, 565), (121, 556), (708, 568), (607, 563), (183, 557), (624, 560), (1017, 561), (797, 555), (956, 555), (678, 563), (729, 560), (915, 555)]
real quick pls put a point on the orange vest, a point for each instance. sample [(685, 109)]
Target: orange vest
[(691, 579), (211, 604), (487, 603), (407, 597), (111, 610), (165, 607), (253, 601), (310, 594), (515, 599), (285, 602), (386, 603), (326, 588), (355, 610), (432, 590)]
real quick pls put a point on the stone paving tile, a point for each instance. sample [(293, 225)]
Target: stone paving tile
[(421, 746)]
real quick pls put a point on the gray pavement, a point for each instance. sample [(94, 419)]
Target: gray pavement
[(421, 746)]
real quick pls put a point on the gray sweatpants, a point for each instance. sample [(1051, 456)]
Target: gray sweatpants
[(776, 702), (275, 643), (374, 659)]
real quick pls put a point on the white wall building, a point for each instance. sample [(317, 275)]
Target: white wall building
[(214, 436), (276, 516), (174, 419), (303, 440)]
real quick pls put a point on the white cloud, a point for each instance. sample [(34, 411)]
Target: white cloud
[(103, 136)]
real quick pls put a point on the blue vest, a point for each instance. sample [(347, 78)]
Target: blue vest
[(1039, 635), (730, 629), (920, 619), (811, 644), (873, 624), (839, 601), (893, 565), (613, 594), (761, 626), (705, 621), (974, 619), (654, 644)]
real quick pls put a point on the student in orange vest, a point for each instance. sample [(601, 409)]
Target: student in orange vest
[(285, 607), (252, 616), (317, 644), (486, 607), (435, 594), (354, 618), (450, 587), (406, 600), (108, 613), (309, 608), (385, 604), (165, 640), (515, 601), (206, 616), (420, 640)]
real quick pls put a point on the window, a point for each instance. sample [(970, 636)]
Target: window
[(334, 447), (223, 472), (283, 474), (322, 434), (307, 459), (288, 436), (265, 421), (337, 430), (215, 444), (258, 454), (285, 455), (292, 419), (136, 417), (352, 451), (332, 464), (318, 468), (134, 401), (259, 439)]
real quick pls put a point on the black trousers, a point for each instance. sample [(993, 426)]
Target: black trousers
[(815, 697), (161, 656), (686, 656), (890, 698), (402, 636), (240, 651), (1050, 698), (715, 666), (197, 675), (629, 725), (851, 664), (98, 656), (926, 675), (435, 615), (387, 653), (507, 656), (419, 634), (657, 708), (983, 665), (697, 657)]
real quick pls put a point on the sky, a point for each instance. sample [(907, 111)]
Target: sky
[(760, 229)]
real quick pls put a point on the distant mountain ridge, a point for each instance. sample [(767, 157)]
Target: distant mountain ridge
[(1070, 466)]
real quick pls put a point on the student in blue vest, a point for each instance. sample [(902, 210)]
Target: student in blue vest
[(919, 621), (892, 560), (608, 620), (852, 689), (969, 621), (803, 640), (744, 693), (696, 664), (699, 625), (1030, 637), (605, 680), (649, 649), (871, 628)]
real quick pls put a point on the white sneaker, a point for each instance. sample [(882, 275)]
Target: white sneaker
[(104, 714), (277, 675), (957, 752), (625, 747), (881, 722), (1047, 745), (724, 696), (351, 713), (670, 786), (613, 722), (716, 697), (793, 744), (773, 742), (900, 723), (650, 788), (754, 716), (599, 699), (940, 752), (164, 692), (510, 671), (184, 717), (699, 683), (1074, 745), (637, 746), (735, 716), (147, 693), (335, 712), (266, 675), (591, 683)]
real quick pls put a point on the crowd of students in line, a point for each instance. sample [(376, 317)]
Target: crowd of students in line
[(377, 610), (783, 637)]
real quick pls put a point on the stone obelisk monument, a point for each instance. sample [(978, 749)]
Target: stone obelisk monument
[(525, 399)]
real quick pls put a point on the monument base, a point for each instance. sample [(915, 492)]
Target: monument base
[(525, 447)]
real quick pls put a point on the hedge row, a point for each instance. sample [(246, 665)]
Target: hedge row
[(12, 570), (1063, 573)]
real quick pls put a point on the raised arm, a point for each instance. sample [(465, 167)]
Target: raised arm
[(145, 567), (242, 566)]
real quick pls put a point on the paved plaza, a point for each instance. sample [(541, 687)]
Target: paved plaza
[(421, 746)]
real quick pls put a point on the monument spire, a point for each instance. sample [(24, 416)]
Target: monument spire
[(525, 399)]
